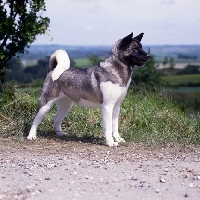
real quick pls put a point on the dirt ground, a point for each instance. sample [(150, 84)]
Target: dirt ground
[(55, 169)]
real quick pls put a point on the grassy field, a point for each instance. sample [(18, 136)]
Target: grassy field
[(148, 118), (182, 79), (82, 62)]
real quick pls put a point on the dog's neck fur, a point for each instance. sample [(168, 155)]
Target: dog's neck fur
[(118, 69)]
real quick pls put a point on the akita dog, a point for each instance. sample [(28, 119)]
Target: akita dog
[(103, 86)]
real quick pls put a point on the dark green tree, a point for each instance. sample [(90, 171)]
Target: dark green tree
[(15, 70), (165, 62), (171, 63), (38, 71), (72, 63), (190, 69), (20, 22), (94, 60)]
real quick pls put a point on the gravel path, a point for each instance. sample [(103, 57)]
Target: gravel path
[(53, 169)]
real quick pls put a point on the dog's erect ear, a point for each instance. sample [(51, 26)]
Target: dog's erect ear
[(126, 41), (139, 37)]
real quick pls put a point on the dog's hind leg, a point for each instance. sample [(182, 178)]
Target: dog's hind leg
[(64, 106), (42, 111), (115, 118)]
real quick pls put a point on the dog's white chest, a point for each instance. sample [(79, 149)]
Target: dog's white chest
[(113, 93)]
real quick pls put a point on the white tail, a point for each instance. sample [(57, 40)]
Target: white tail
[(61, 58)]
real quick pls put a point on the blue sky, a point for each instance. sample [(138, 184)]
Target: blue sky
[(102, 22)]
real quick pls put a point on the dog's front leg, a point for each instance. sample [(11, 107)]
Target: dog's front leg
[(115, 118), (107, 124)]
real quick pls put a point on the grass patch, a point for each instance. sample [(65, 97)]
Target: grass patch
[(82, 62), (182, 79), (150, 118), (155, 120)]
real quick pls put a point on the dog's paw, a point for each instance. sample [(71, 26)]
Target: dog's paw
[(119, 139), (31, 137), (60, 133), (112, 143)]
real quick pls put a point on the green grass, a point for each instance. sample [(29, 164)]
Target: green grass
[(182, 79), (82, 62), (148, 118)]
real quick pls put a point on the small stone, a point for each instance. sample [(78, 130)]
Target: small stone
[(187, 176), (47, 179), (141, 185), (101, 180), (165, 169), (134, 178), (162, 180), (89, 177), (198, 177), (157, 190), (191, 185), (186, 195)]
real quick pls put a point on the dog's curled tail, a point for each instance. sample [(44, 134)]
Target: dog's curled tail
[(59, 62)]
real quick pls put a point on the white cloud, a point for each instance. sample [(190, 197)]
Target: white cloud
[(168, 2), (90, 28)]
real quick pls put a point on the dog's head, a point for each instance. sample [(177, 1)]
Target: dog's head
[(129, 50)]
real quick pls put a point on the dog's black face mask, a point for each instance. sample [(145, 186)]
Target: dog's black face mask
[(131, 52)]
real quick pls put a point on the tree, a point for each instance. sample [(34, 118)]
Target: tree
[(171, 63), (20, 22), (94, 60), (15, 71), (38, 71), (190, 69), (165, 61)]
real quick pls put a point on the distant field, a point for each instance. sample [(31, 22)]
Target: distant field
[(182, 64), (82, 62), (29, 64), (182, 79), (183, 89)]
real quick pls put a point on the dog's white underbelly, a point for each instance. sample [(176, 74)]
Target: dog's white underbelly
[(88, 104), (81, 102)]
